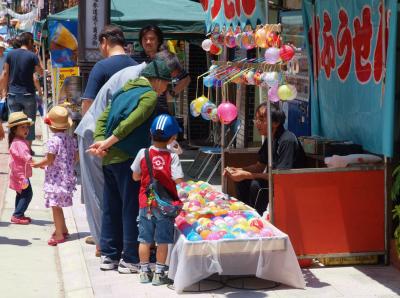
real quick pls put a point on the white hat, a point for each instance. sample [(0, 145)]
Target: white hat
[(3, 44)]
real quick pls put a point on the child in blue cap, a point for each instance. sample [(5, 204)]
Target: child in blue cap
[(153, 225)]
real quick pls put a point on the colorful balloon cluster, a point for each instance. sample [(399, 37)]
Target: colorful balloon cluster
[(263, 37), (226, 112), (211, 215)]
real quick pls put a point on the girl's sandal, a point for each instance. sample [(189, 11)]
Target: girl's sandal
[(65, 235), (54, 242)]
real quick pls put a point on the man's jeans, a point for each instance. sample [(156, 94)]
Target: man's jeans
[(119, 230), (26, 103), (22, 201), (248, 190)]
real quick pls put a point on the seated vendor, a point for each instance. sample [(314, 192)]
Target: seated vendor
[(287, 153)]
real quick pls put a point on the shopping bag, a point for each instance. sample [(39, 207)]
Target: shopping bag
[(3, 110)]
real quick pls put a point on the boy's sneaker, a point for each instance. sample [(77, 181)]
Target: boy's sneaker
[(160, 279), (107, 263), (145, 276), (127, 268)]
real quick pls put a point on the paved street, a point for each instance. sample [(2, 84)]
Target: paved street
[(31, 268)]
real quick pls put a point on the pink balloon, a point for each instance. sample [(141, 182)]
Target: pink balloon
[(272, 55), (227, 112), (273, 94)]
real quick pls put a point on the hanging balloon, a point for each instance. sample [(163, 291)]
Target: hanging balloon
[(215, 49), (217, 38), (207, 109), (218, 83), (250, 77), (238, 37), (193, 110), (273, 94), (230, 40), (273, 39), (287, 92), (257, 78), (206, 44), (248, 40), (213, 67), (214, 115), (286, 53), (208, 81), (270, 78), (199, 102), (272, 55), (227, 112), (261, 38)]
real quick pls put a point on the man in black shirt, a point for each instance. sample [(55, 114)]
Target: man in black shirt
[(287, 153), (18, 70)]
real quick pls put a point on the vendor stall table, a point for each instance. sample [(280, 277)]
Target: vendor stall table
[(267, 258)]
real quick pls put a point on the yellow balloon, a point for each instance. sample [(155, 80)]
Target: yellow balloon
[(199, 102), (284, 92)]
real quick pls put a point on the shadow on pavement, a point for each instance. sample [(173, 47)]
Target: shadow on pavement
[(39, 222), (312, 281), (79, 235), (10, 241), (4, 224), (388, 276)]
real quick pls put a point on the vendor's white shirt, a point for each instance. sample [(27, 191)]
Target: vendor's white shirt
[(106, 92)]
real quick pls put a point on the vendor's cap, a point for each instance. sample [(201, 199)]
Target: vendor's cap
[(18, 118), (165, 126), (58, 118), (3, 45), (157, 69)]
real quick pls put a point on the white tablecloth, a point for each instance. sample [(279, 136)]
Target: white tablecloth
[(267, 258)]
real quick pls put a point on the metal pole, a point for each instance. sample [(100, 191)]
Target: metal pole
[(225, 56), (386, 260), (269, 140)]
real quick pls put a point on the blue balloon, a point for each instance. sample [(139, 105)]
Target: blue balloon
[(208, 81), (186, 231), (229, 236), (206, 110), (193, 236)]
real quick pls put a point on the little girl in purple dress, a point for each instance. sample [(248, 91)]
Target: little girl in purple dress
[(60, 180)]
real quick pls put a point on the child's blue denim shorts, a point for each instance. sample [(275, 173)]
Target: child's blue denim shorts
[(158, 229)]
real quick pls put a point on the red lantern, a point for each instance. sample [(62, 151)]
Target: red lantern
[(286, 53)]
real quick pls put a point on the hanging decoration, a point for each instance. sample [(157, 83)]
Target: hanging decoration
[(267, 72)]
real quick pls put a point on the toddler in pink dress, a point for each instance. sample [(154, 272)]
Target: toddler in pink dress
[(60, 180), (20, 165)]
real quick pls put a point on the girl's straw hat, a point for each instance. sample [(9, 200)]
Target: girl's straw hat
[(18, 118), (58, 118)]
